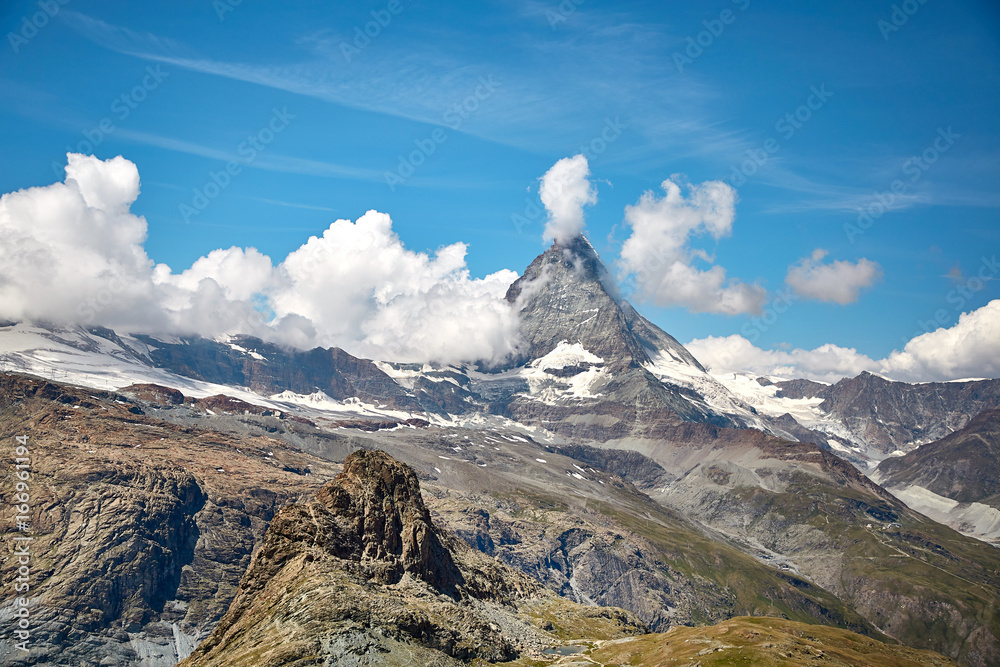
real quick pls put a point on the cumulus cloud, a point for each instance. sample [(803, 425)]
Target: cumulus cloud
[(565, 190), (839, 281), (733, 354), (71, 249), (969, 349), (363, 290), (658, 256), (73, 253)]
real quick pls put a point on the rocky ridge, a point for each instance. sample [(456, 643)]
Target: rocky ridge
[(361, 575)]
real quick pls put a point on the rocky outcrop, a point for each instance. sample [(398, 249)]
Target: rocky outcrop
[(361, 575)]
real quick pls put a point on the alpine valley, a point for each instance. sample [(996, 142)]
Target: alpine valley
[(599, 498)]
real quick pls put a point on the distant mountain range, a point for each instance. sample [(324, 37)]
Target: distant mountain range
[(603, 466)]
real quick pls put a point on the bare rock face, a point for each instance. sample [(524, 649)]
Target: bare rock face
[(141, 528), (360, 575), (564, 295), (372, 514), (270, 369), (963, 466), (564, 299)]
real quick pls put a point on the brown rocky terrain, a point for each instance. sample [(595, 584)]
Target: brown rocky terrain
[(142, 528), (361, 575)]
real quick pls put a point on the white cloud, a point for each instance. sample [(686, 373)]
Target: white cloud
[(827, 363), (839, 281), (72, 252), (565, 190), (364, 291), (71, 249), (658, 256), (969, 349), (241, 273)]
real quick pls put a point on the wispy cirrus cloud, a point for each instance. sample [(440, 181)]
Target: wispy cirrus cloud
[(268, 162), (545, 97)]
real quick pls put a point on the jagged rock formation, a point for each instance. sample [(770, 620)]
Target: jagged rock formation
[(361, 575)]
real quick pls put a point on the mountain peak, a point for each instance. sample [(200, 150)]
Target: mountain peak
[(567, 295), (575, 259)]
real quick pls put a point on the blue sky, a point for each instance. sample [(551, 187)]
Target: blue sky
[(676, 88)]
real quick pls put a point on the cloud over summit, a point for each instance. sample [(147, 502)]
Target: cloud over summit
[(565, 190)]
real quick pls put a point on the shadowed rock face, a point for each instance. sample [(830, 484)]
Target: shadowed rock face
[(141, 529), (964, 466), (275, 369)]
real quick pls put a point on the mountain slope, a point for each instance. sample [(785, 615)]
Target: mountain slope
[(564, 295), (588, 355), (912, 578), (759, 641), (896, 416), (955, 480), (141, 528)]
